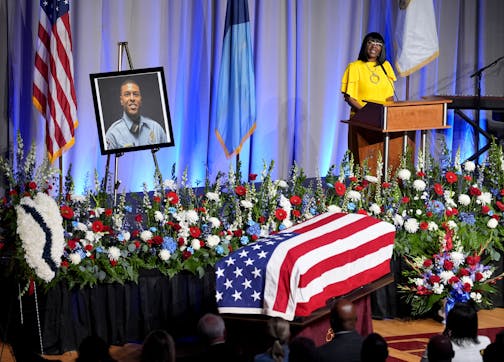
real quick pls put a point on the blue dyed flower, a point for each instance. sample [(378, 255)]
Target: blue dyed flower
[(436, 207), (254, 229), (351, 206), (128, 208), (244, 240), (153, 229), (219, 249), (169, 244), (467, 218)]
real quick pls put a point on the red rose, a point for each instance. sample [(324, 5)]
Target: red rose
[(453, 280), (474, 191), (500, 205), (72, 243), (32, 185), (485, 209), (195, 231), (254, 237), (66, 212), (113, 262), (339, 188), (438, 189), (448, 265), (420, 174), (424, 225), (186, 254), (172, 197), (451, 177), (296, 213), (157, 240), (467, 287), (478, 276), (435, 279), (137, 244), (97, 226), (463, 272), (429, 214), (88, 247), (280, 214), (427, 263), (295, 200), (240, 190), (252, 176), (181, 241), (238, 233), (358, 188), (421, 290), (13, 192), (64, 264)]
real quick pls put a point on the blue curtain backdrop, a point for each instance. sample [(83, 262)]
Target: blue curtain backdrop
[(301, 49)]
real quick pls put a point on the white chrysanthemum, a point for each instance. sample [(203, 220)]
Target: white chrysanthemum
[(469, 166), (411, 225), (419, 185), (432, 226), (446, 275), (158, 216), (464, 199), (212, 241), (170, 184), (114, 253), (477, 297), (126, 235), (457, 258), (78, 198), (438, 288), (452, 225), (75, 258), (246, 204), (354, 195), (191, 216), (196, 244), (164, 254), (333, 208), (371, 179), (419, 282), (404, 174), (214, 221), (492, 223), (418, 212), (281, 184), (146, 235), (212, 196), (287, 223), (90, 236), (466, 279), (485, 198), (398, 220), (375, 209)]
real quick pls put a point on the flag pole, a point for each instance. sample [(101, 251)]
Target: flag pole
[(61, 176)]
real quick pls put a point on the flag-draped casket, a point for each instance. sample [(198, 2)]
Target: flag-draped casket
[(294, 272)]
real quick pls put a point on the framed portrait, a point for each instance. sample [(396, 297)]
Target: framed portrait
[(132, 111)]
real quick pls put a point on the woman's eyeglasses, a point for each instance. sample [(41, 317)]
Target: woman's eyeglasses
[(374, 42)]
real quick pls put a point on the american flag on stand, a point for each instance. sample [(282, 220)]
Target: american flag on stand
[(53, 82), (293, 273)]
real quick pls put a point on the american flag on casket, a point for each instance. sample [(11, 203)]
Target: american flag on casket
[(293, 273)]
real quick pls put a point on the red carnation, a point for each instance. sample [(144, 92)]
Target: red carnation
[(261, 220), (280, 214), (420, 174), (448, 265), (405, 199), (296, 213), (240, 190), (451, 177), (172, 197), (467, 287), (72, 243), (252, 176), (156, 199), (181, 241), (108, 212), (137, 244), (485, 209), (88, 247), (186, 254), (157, 240), (66, 212), (97, 226), (427, 263), (424, 225), (500, 205), (435, 279), (195, 231), (468, 178), (339, 188), (138, 218), (254, 237), (438, 189), (474, 191), (295, 200), (238, 233)]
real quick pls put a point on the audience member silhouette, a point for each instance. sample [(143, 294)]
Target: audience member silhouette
[(279, 333), (158, 346), (94, 349), (494, 352), (346, 343), (374, 348), (302, 349), (212, 329), (439, 349)]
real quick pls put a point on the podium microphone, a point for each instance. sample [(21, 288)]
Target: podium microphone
[(391, 83)]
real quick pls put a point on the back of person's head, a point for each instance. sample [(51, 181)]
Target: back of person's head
[(302, 349), (374, 348), (374, 36), (462, 323), (279, 331), (440, 349), (158, 346), (212, 328), (343, 316), (494, 351), (94, 349)]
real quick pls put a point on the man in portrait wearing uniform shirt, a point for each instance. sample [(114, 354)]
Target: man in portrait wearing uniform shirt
[(133, 129)]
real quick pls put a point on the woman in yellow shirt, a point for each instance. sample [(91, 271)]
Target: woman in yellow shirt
[(371, 77)]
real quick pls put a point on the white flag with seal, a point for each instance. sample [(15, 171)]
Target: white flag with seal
[(416, 36)]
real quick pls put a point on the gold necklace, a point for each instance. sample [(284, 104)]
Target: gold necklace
[(374, 78)]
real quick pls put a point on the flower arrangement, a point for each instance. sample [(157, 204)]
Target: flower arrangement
[(175, 227)]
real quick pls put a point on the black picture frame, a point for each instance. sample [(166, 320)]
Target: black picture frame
[(106, 98)]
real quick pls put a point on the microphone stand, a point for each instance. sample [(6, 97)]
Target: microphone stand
[(478, 75)]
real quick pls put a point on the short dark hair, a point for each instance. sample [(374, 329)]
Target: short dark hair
[(440, 348), (374, 348), (363, 53)]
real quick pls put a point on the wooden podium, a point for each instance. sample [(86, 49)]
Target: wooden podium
[(390, 128)]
